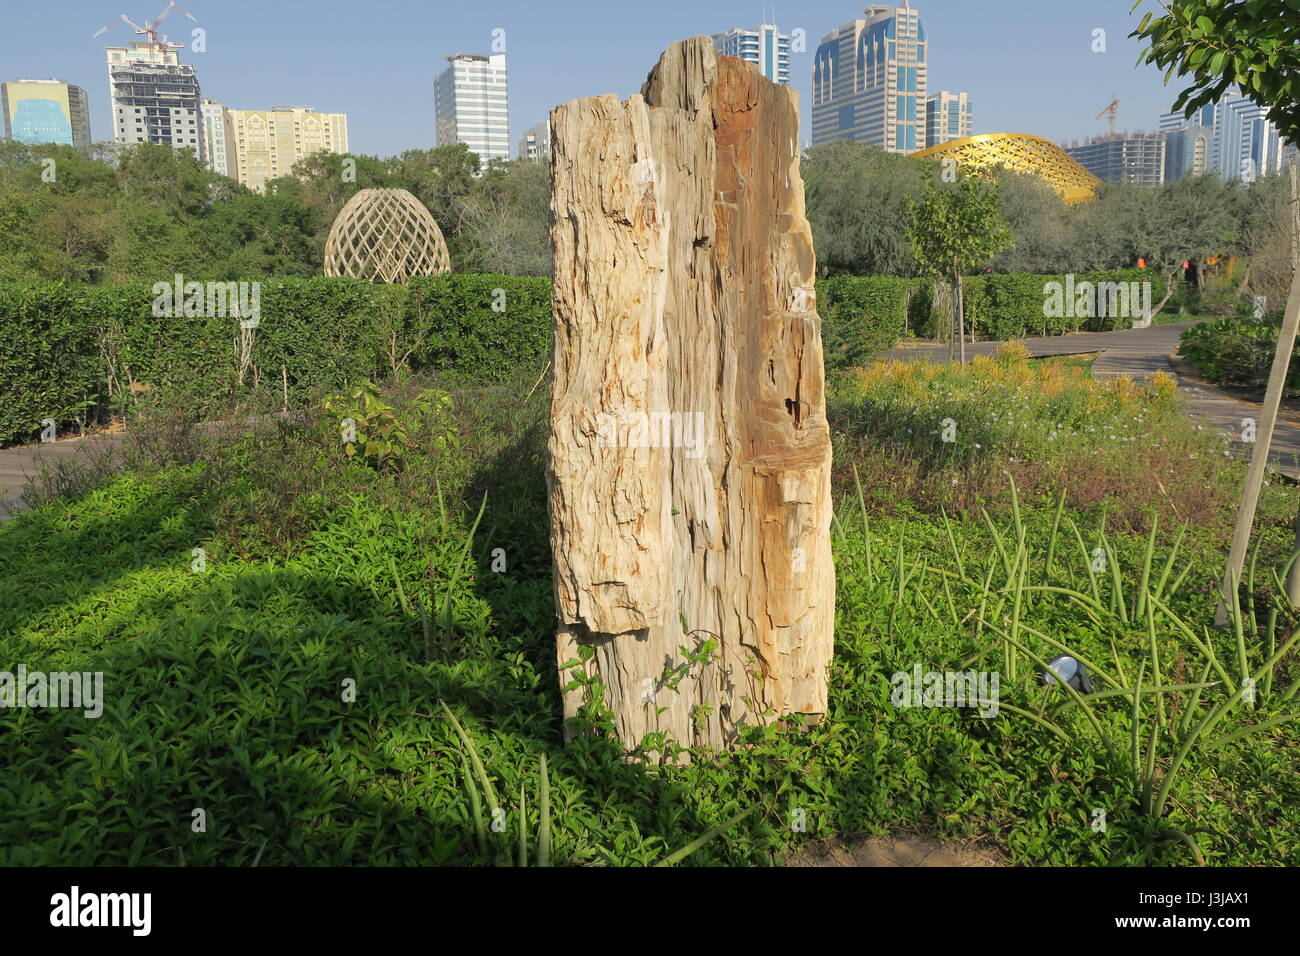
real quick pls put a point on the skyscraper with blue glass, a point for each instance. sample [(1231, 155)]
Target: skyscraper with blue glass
[(869, 81), (767, 48)]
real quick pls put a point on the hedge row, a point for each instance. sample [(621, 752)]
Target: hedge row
[(65, 350), (864, 315)]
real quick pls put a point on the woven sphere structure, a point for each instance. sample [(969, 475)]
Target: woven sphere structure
[(385, 235)]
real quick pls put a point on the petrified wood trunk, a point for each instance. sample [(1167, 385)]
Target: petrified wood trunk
[(689, 456)]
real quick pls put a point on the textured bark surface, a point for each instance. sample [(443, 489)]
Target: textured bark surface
[(689, 455)]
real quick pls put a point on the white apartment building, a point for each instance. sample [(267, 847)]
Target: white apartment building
[(471, 104), (767, 48), (947, 117), (218, 141)]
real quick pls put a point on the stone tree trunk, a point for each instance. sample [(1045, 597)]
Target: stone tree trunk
[(689, 455)]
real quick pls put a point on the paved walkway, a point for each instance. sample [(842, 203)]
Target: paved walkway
[(20, 464), (1139, 353)]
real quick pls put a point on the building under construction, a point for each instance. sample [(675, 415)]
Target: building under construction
[(1123, 158), (156, 98)]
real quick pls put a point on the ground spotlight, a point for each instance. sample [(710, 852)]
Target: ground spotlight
[(1066, 668)]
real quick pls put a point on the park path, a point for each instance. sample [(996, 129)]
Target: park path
[(18, 465), (21, 463), (1140, 353)]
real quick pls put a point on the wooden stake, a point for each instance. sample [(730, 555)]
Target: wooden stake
[(1264, 436)]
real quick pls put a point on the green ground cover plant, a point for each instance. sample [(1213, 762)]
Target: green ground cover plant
[(291, 688)]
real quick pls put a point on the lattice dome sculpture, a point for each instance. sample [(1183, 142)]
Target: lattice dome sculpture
[(1022, 153), (385, 235)]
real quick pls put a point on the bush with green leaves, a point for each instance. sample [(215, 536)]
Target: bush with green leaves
[(66, 351), (861, 316), (1237, 351)]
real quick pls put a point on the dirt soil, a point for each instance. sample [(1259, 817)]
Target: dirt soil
[(896, 849)]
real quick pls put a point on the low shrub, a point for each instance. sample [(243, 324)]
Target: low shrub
[(1237, 351), (953, 437)]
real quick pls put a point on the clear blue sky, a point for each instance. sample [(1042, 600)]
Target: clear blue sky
[(1028, 64)]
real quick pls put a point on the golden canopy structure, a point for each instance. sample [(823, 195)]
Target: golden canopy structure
[(385, 235), (1021, 153)]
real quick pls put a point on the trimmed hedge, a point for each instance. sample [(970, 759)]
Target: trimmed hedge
[(61, 346), (865, 315), (861, 316), (1011, 306)]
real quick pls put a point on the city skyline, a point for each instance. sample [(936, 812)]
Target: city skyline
[(1004, 54)]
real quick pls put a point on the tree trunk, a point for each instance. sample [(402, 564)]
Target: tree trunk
[(1169, 291), (689, 454), (941, 304), (961, 317), (1264, 438)]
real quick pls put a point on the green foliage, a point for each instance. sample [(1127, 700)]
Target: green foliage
[(856, 199), (485, 324), (145, 212), (954, 231), (49, 357), (1218, 44), (861, 316), (373, 432), (1237, 351), (64, 349), (224, 689)]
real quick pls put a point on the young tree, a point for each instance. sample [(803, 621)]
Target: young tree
[(953, 231)]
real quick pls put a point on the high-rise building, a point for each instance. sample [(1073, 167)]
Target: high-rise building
[(1249, 143), (1124, 158), (267, 143), (218, 138), (1172, 121), (1187, 151), (45, 111), (869, 81), (947, 117), (1243, 141), (155, 97), (471, 105), (536, 144), (767, 48)]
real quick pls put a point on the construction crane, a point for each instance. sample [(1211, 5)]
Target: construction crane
[(150, 28), (1113, 109)]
